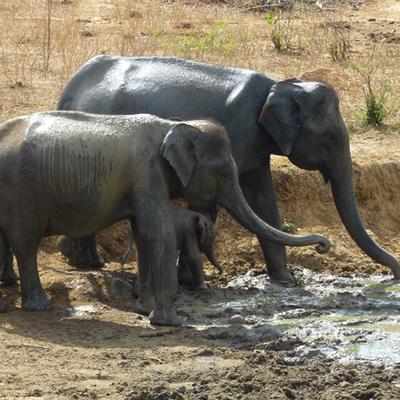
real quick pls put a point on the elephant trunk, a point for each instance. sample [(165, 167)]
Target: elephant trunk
[(235, 203), (213, 259), (344, 197)]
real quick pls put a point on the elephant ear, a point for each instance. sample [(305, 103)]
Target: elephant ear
[(280, 115), (201, 228), (179, 149)]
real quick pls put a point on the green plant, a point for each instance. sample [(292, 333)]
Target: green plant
[(208, 42), (339, 49), (276, 35), (277, 40), (375, 92), (289, 227), (158, 32), (272, 19), (281, 31)]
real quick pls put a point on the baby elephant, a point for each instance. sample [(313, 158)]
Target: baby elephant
[(195, 234)]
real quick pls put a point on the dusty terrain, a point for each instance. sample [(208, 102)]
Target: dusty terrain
[(236, 341)]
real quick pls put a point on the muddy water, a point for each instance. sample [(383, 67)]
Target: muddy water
[(345, 318)]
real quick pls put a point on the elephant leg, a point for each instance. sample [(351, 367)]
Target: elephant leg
[(6, 267), (196, 266), (7, 274), (259, 192), (185, 275), (191, 253), (81, 252), (144, 286), (25, 247), (156, 246)]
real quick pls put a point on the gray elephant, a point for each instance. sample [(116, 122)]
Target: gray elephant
[(194, 233), (70, 173), (263, 116)]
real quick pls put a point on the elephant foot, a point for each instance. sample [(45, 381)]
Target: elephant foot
[(9, 276), (283, 277), (200, 287), (144, 305), (91, 262), (79, 257), (40, 304), (164, 316)]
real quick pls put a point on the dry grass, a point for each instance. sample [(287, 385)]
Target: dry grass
[(35, 67)]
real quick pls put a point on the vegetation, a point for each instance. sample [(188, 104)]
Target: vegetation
[(44, 42), (339, 50), (207, 42), (379, 100), (289, 227)]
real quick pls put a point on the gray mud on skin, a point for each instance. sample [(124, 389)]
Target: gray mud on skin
[(348, 319)]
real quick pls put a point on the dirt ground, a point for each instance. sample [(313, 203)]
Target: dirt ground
[(92, 346)]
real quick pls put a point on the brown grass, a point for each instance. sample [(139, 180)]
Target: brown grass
[(34, 69)]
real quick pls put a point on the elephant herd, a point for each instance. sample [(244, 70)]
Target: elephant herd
[(130, 134)]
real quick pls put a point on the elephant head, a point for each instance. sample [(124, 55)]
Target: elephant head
[(304, 120), (199, 153)]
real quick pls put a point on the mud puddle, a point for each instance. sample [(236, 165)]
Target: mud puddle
[(345, 318)]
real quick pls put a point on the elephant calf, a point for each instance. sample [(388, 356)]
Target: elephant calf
[(194, 233), (74, 174)]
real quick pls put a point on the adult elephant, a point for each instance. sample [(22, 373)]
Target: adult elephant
[(263, 116)]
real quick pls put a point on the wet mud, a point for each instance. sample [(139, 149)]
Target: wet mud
[(347, 318)]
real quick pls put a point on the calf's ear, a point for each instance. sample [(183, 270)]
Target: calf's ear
[(201, 228), (179, 149)]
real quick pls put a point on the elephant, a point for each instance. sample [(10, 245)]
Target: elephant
[(72, 173), (262, 115), (194, 233)]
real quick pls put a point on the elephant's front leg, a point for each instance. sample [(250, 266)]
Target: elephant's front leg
[(259, 192), (144, 286), (156, 246), (194, 261)]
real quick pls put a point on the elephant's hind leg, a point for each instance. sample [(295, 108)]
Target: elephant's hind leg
[(7, 273), (25, 247), (6, 268)]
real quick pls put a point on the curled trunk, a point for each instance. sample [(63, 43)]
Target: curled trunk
[(237, 206)]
